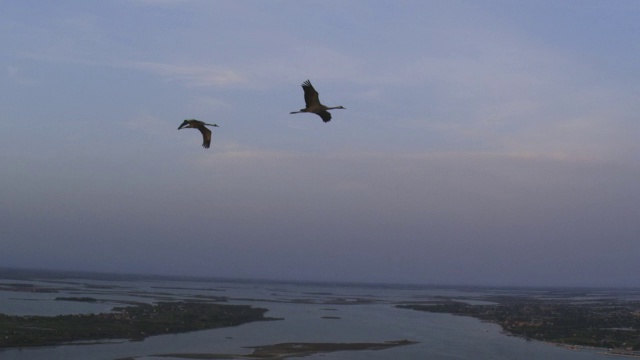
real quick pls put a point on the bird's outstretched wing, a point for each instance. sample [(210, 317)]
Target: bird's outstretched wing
[(310, 94), (206, 136), (325, 115)]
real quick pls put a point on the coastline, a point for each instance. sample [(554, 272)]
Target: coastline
[(560, 323)]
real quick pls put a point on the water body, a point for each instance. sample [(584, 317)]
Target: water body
[(311, 313)]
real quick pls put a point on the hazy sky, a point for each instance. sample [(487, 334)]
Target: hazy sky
[(484, 142)]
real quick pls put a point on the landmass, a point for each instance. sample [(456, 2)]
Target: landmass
[(79, 299), (130, 323), (608, 323), (286, 350)]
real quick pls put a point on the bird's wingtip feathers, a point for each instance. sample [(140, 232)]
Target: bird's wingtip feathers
[(325, 115)]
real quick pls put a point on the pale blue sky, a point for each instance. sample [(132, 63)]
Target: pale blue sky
[(484, 142)]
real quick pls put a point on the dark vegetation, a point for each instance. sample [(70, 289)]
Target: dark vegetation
[(74, 298), (131, 322), (612, 324)]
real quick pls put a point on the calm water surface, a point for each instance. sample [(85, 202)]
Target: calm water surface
[(365, 314)]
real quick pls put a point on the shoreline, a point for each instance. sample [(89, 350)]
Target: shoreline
[(558, 322)]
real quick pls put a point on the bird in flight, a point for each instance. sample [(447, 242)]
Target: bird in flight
[(200, 125), (312, 101)]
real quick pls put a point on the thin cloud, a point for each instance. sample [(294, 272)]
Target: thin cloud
[(147, 124), (15, 74), (162, 2), (231, 151), (191, 75)]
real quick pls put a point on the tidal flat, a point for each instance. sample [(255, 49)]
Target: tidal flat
[(286, 350)]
